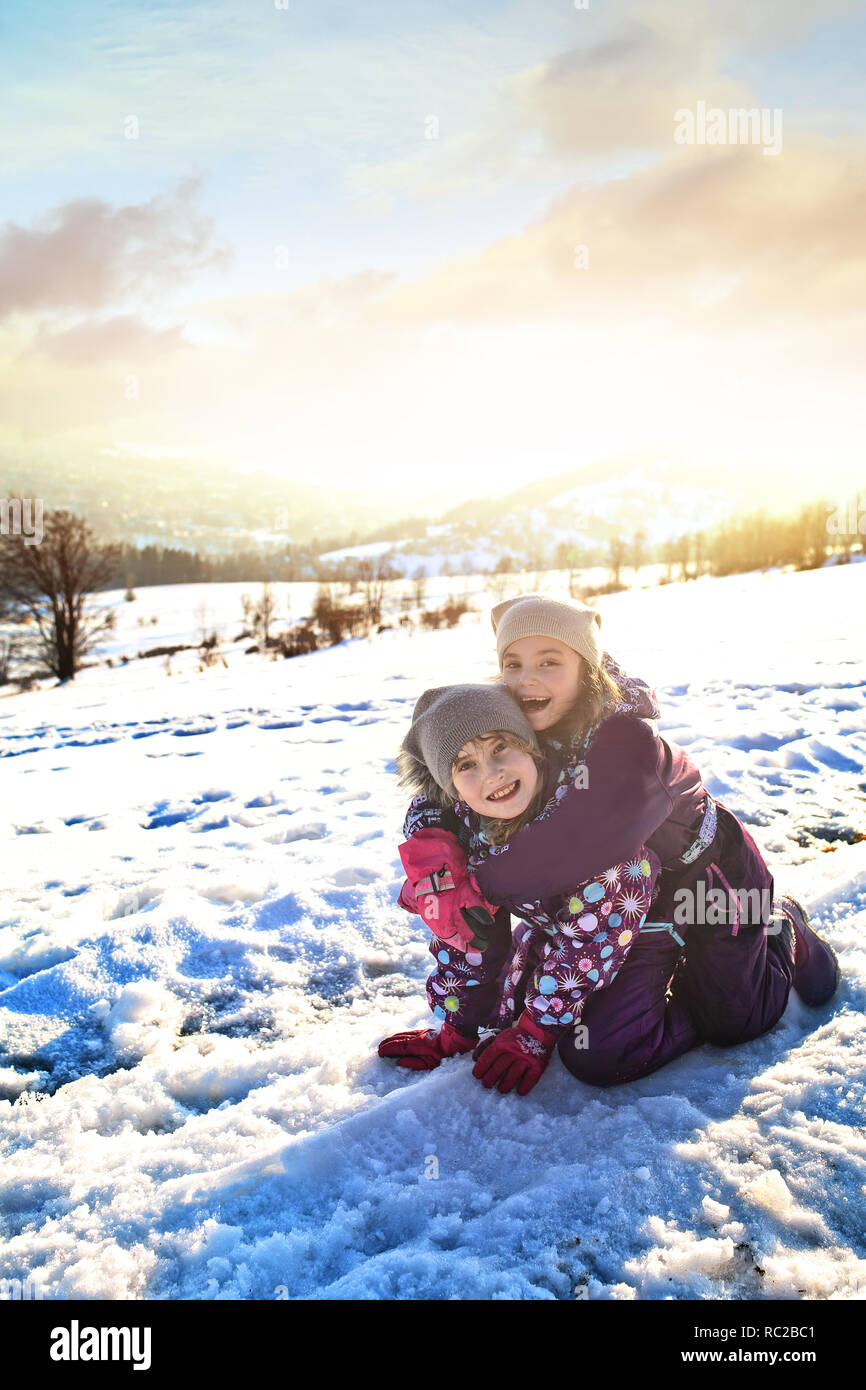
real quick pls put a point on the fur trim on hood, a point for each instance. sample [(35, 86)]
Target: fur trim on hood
[(416, 776)]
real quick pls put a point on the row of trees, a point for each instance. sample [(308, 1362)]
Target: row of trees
[(753, 541), (756, 541), (47, 598), (155, 564), (45, 587)]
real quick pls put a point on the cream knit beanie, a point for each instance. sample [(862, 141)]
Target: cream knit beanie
[(532, 615)]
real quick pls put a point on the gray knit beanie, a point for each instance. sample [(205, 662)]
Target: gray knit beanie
[(450, 715), (532, 615)]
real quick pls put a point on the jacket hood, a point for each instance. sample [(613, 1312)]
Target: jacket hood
[(635, 696), (415, 775)]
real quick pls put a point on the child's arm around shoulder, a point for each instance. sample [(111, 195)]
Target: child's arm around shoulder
[(426, 814), (602, 818)]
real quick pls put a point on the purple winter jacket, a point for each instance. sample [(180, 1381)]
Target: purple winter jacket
[(639, 790), (638, 800)]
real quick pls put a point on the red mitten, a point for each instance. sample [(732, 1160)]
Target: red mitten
[(424, 1050), (515, 1057), (446, 894)]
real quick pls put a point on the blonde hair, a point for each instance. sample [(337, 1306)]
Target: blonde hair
[(497, 830)]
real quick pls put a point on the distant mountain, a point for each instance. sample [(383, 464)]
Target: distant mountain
[(574, 513), (185, 504), (656, 476)]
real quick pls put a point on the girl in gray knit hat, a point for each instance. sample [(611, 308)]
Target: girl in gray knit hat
[(469, 745), (472, 750), (473, 743)]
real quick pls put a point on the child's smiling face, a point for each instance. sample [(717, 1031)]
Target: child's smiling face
[(494, 777), (544, 676)]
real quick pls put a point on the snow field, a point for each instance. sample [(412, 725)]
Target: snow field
[(201, 949)]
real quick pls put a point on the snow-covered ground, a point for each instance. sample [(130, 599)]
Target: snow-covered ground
[(200, 949)]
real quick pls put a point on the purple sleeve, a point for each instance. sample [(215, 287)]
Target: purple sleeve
[(603, 819), (604, 917), (635, 696), (424, 814)]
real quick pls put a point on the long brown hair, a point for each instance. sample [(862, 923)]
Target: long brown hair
[(597, 697)]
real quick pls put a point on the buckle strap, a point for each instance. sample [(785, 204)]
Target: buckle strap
[(664, 926), (439, 881), (706, 834)]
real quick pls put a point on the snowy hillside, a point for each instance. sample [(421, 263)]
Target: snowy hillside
[(200, 949)]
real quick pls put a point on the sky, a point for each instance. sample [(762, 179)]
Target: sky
[(445, 248)]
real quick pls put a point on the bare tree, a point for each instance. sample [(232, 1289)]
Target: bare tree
[(669, 555), (203, 627), (682, 553), (419, 585), (248, 615), (49, 583), (7, 654), (699, 552), (638, 551), (265, 611), (498, 580), (372, 574), (567, 557), (617, 552)]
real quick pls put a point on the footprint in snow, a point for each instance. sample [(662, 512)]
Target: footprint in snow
[(350, 877), (315, 830), (234, 892), (161, 820)]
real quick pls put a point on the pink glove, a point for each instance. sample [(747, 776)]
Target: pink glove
[(424, 1050), (515, 1057), (445, 893)]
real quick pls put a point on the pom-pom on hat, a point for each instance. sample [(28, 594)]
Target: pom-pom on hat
[(448, 716), (532, 615)]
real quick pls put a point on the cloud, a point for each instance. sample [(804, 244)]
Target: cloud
[(504, 363), (611, 90), (326, 302), (706, 230), (88, 255), (109, 340), (621, 92)]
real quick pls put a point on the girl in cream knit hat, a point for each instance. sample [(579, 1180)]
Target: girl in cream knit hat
[(719, 956), (551, 659)]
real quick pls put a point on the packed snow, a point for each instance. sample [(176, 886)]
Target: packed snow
[(200, 949)]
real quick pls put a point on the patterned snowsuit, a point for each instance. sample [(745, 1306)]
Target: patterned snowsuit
[(645, 988)]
